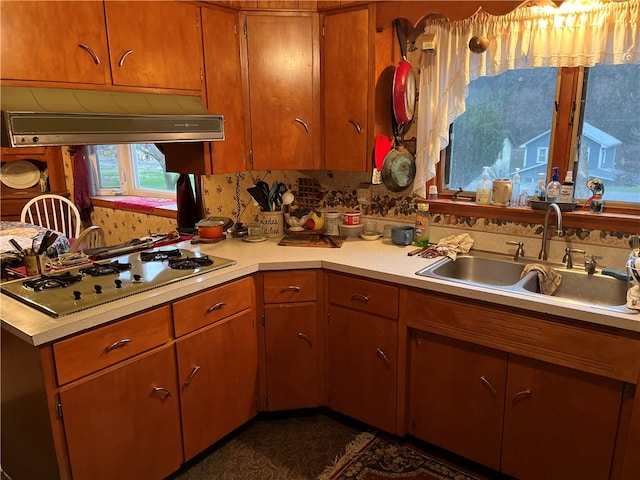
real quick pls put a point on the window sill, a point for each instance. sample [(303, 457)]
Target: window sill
[(157, 207), (580, 218)]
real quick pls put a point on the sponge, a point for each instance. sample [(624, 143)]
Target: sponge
[(619, 273)]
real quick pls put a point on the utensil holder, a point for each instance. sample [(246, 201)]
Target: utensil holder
[(272, 223), (35, 264)]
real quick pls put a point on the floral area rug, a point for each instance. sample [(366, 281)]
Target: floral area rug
[(372, 456)]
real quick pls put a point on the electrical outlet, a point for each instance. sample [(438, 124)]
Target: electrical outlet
[(364, 193)]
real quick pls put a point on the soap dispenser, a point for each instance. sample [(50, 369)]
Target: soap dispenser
[(515, 189), (553, 189), (483, 193), (566, 191), (540, 192)]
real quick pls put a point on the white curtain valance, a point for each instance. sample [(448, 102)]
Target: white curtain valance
[(576, 34)]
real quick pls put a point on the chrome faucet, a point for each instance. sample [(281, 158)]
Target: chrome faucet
[(544, 249)]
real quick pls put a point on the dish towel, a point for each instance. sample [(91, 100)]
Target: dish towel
[(548, 278), (454, 244)]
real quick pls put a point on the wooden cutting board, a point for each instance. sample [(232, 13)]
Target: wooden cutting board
[(315, 240)]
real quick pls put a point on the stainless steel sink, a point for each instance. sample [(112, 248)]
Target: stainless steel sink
[(501, 272)]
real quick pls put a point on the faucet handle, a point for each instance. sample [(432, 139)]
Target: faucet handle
[(519, 251), (567, 255), (590, 263)]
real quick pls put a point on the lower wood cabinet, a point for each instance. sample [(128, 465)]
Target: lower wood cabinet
[(125, 422), (218, 377), (456, 397)]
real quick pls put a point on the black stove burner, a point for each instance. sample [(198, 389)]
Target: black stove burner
[(189, 263), (160, 255), (99, 269), (48, 282)]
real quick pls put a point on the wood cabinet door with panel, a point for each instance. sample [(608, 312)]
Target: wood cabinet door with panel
[(347, 80), (54, 41), (362, 363), (559, 423), (456, 398), (282, 77), (155, 44), (218, 376), (125, 423)]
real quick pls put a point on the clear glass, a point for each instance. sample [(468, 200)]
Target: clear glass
[(107, 166), (610, 137), (507, 124), (149, 169)]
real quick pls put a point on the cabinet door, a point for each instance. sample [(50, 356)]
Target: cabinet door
[(457, 396), (362, 366), (282, 78), (218, 375), (345, 61), (224, 87), (55, 41), (125, 423), (155, 44), (291, 338), (559, 423)]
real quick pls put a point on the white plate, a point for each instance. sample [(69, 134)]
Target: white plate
[(375, 236), (254, 240), (21, 174), (296, 229)]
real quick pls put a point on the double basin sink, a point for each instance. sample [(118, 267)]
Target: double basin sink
[(502, 273)]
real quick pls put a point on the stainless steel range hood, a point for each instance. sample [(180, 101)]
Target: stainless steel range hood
[(57, 116)]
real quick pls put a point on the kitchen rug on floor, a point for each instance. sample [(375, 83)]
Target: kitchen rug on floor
[(372, 456)]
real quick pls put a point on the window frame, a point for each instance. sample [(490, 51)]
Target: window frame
[(565, 133)]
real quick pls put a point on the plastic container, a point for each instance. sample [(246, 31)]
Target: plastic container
[(331, 222), (553, 188), (421, 232), (540, 193), (351, 218), (566, 190), (483, 192), (515, 189)]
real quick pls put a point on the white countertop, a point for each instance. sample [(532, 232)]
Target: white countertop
[(371, 259)]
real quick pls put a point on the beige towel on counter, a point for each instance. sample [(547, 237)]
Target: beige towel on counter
[(548, 278), (454, 244)]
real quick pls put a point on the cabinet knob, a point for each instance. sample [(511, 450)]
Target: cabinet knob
[(361, 297), (217, 306), (487, 384), (302, 122), (290, 288), (118, 344), (191, 375), (521, 395), (90, 51), (383, 356), (356, 125), (124, 55), (304, 337), (162, 390)]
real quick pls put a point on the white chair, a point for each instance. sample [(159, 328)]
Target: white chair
[(90, 237), (53, 212)]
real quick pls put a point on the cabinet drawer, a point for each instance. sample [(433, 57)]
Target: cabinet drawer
[(365, 295), (290, 286), (210, 306), (92, 351)]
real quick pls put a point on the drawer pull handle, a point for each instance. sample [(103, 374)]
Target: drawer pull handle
[(361, 297), (118, 344), (304, 337), (487, 384), (355, 125), (290, 288), (166, 392), (521, 395), (303, 123), (383, 356), (124, 55), (90, 51), (193, 373), (215, 307)]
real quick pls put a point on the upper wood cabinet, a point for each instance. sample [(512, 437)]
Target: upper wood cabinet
[(348, 86), (280, 51), (55, 41), (221, 35), (155, 44), (130, 44)]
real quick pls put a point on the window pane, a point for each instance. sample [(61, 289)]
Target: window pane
[(610, 140), (149, 169), (107, 166), (507, 124)]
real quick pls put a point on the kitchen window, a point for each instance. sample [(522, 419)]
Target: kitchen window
[(136, 169), (511, 122)]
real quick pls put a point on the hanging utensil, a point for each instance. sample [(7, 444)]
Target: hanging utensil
[(404, 85)]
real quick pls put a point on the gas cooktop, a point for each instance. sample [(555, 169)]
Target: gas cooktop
[(73, 290)]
